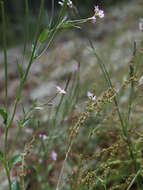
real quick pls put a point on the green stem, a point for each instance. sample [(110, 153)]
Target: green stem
[(56, 28), (26, 34), (8, 125), (5, 162), (28, 67), (131, 74), (60, 103), (5, 54)]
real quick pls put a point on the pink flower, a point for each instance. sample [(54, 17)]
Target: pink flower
[(96, 9), (91, 96), (45, 137), (97, 13), (76, 68), (42, 136), (54, 155), (93, 19), (60, 91), (66, 118), (40, 160), (101, 14)]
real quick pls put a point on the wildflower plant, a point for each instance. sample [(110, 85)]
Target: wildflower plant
[(110, 154), (38, 49), (97, 13), (60, 91)]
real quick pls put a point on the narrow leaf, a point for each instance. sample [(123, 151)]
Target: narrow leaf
[(43, 36), (20, 69), (24, 122), (19, 124), (1, 156), (133, 180), (68, 25), (14, 160), (4, 115)]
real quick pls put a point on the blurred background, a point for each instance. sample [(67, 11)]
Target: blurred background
[(15, 11)]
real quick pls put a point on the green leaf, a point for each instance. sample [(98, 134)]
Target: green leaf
[(1, 156), (49, 168), (66, 25), (24, 122), (16, 185), (14, 160), (23, 109), (35, 51), (19, 124), (4, 115), (43, 36), (20, 69)]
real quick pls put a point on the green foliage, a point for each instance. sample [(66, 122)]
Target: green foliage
[(97, 147), (14, 160), (3, 115), (1, 156), (43, 36)]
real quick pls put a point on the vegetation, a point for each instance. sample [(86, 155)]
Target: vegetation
[(97, 145)]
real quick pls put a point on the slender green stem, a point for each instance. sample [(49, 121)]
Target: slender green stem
[(63, 166), (8, 125), (5, 54), (56, 28), (28, 67), (62, 13), (5, 162), (52, 16), (26, 33), (131, 74), (60, 103)]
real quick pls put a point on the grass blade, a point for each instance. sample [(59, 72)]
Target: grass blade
[(133, 180)]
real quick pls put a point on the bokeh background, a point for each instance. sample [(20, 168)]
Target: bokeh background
[(15, 11)]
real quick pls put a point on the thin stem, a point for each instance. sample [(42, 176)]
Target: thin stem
[(5, 54), (56, 28), (60, 103), (131, 73), (5, 162), (62, 13), (52, 15), (26, 33), (28, 67), (63, 166), (8, 125)]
